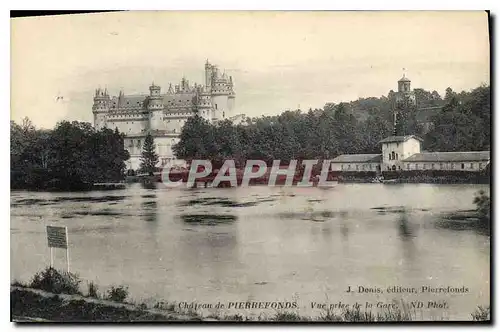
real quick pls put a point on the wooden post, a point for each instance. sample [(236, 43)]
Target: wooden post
[(67, 249), (67, 257)]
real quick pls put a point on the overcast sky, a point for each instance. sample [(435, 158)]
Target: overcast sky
[(278, 60)]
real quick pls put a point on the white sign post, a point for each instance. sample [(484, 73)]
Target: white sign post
[(57, 237)]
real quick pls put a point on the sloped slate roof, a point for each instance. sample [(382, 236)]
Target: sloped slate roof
[(130, 101), (450, 156), (179, 99), (141, 101), (392, 139), (404, 79), (358, 158)]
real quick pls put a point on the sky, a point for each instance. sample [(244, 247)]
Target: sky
[(278, 60)]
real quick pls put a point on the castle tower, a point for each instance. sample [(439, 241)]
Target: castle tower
[(404, 84), (222, 95), (405, 97), (100, 108), (208, 75), (404, 101), (155, 108), (204, 103), (232, 96)]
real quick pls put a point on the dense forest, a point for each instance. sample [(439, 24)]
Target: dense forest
[(462, 124), (71, 156)]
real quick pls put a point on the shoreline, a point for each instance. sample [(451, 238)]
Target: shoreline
[(54, 296)]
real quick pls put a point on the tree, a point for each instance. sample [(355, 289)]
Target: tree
[(196, 140), (463, 124), (149, 158), (71, 156)]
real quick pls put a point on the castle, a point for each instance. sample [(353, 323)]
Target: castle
[(164, 114)]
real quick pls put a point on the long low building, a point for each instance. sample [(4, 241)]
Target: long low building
[(402, 153), (357, 162), (454, 161)]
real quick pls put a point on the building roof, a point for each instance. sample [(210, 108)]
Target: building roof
[(450, 156), (128, 101), (394, 139), (404, 79), (358, 158), (141, 101), (178, 99)]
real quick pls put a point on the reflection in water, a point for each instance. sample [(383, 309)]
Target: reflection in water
[(149, 206), (406, 233), (208, 219), (344, 229)]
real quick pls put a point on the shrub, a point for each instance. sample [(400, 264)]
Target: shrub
[(117, 294), (56, 282), (288, 316), (481, 314), (18, 283), (483, 204), (93, 290)]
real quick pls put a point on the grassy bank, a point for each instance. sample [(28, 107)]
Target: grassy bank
[(56, 296)]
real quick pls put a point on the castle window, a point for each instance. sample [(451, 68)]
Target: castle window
[(432, 166), (471, 165), (393, 155), (440, 165), (357, 168), (215, 106), (463, 165), (396, 156), (341, 167), (407, 166), (348, 166)]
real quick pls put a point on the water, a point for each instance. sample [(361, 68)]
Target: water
[(272, 244)]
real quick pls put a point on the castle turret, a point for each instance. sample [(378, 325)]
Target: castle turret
[(155, 107), (208, 75), (100, 108), (232, 96), (222, 95)]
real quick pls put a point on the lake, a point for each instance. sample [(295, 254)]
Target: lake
[(263, 244)]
